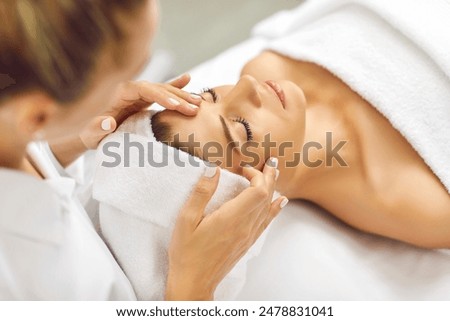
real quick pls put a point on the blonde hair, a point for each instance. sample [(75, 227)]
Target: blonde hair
[(52, 45)]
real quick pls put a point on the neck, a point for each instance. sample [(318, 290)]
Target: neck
[(13, 152), (17, 160), (11, 155), (322, 156)]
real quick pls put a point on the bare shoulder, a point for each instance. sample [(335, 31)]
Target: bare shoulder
[(408, 200), (417, 197)]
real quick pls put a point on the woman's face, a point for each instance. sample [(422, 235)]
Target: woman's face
[(107, 77), (243, 124)]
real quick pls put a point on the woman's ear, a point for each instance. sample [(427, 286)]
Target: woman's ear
[(34, 110)]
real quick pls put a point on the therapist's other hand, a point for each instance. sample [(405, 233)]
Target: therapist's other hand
[(204, 249), (132, 97)]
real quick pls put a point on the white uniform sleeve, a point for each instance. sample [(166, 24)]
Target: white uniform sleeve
[(48, 248)]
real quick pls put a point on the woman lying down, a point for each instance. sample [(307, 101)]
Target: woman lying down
[(334, 147)]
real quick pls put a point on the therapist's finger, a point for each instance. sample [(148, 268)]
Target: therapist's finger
[(251, 199), (96, 130), (155, 93), (262, 182), (275, 209), (257, 198), (181, 81), (271, 169), (184, 95), (271, 173), (255, 176), (194, 208), (180, 102)]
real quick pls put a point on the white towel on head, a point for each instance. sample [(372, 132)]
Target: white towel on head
[(394, 53), (139, 204)]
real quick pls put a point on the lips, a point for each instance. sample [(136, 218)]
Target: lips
[(278, 90)]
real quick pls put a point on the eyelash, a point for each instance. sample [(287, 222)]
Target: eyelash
[(212, 92), (244, 122), (241, 120)]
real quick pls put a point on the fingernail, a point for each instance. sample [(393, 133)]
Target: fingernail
[(193, 106), (272, 162), (106, 124), (284, 202), (277, 173), (248, 165), (196, 96), (174, 102), (210, 171)]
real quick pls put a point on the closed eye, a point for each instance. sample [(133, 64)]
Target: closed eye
[(212, 92), (246, 125), (240, 120)]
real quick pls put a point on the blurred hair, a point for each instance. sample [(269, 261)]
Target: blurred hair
[(53, 45), (164, 133), (162, 130)]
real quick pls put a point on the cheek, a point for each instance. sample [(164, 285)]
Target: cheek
[(222, 155), (289, 143), (151, 22), (280, 138)]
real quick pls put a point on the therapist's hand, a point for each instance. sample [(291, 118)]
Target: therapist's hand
[(132, 97), (204, 249)]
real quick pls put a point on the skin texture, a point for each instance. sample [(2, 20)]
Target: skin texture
[(200, 255), (385, 187)]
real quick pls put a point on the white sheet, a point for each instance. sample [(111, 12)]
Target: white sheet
[(309, 255)]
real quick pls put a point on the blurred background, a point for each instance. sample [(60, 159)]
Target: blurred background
[(193, 31)]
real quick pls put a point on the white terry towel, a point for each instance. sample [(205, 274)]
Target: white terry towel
[(139, 204), (394, 53)]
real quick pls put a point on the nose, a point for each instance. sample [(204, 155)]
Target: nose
[(247, 89)]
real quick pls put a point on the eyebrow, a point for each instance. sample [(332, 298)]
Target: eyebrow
[(226, 130)]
